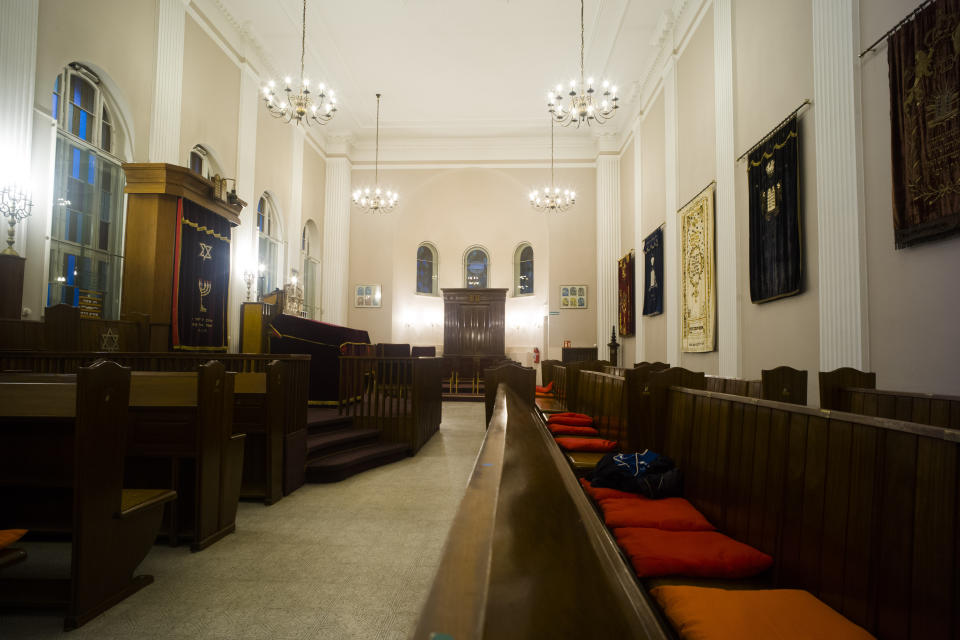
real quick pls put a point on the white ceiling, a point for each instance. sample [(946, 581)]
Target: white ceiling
[(454, 68)]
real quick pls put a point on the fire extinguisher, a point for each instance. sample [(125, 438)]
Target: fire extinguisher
[(536, 355)]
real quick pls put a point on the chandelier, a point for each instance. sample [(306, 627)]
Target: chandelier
[(585, 104), (303, 105), (552, 199), (376, 200)]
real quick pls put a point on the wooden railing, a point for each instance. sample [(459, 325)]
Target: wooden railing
[(526, 556), (400, 397)]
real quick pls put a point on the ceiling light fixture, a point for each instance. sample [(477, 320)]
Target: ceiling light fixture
[(376, 200), (585, 106), (303, 105), (552, 199)]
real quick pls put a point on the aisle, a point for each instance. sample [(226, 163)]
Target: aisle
[(348, 560)]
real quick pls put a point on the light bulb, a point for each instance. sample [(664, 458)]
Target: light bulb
[(286, 80), (321, 86), (271, 84), (613, 89), (606, 83), (589, 82)]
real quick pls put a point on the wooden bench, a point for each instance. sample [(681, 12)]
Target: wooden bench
[(862, 512), (855, 391), (556, 402), (62, 450), (526, 556), (783, 384), (523, 381)]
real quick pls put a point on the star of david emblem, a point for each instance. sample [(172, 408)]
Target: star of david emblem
[(205, 250), (109, 341)]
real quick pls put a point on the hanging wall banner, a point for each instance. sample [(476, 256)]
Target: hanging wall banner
[(924, 61), (776, 258), (626, 275), (201, 279), (653, 273), (698, 286)]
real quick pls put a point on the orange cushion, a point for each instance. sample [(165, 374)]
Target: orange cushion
[(702, 613), (695, 554), (570, 430), (573, 422), (587, 444), (601, 494), (546, 388), (9, 536), (567, 414), (674, 514), (540, 394)]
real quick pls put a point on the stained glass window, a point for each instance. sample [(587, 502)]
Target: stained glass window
[(426, 269), (475, 268), (523, 270)]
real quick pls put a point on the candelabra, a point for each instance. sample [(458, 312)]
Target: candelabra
[(15, 205), (248, 279)]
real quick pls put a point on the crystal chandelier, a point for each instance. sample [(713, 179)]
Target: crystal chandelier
[(585, 105), (303, 105), (376, 200), (552, 199)]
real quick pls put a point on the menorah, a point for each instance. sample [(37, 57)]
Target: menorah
[(15, 205), (205, 286)]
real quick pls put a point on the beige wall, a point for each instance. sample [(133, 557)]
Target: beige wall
[(912, 293), (272, 174), (454, 209), (628, 348), (654, 204), (696, 142), (211, 88), (773, 76)]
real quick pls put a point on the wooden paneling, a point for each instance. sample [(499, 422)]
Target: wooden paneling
[(473, 322)]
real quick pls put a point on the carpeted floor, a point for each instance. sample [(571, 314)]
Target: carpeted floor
[(348, 560)]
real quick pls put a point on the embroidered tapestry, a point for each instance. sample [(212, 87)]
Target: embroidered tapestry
[(776, 260), (924, 60), (201, 279), (697, 276), (626, 322), (653, 273)]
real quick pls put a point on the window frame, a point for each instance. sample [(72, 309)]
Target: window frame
[(517, 263), (309, 275), (435, 277), (270, 278), (102, 102), (466, 255)]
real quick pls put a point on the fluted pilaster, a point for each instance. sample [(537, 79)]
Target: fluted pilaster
[(608, 247), (671, 252), (336, 242), (839, 185), (725, 201), (168, 83), (638, 214), (294, 222), (18, 65)]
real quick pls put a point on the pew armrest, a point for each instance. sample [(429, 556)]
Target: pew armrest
[(134, 501), (10, 557)]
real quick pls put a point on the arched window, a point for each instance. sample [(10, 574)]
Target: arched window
[(476, 263), (268, 245), (86, 232), (203, 162), (427, 269), (523, 270), (311, 268)]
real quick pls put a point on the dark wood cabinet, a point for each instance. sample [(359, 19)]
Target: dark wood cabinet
[(473, 322)]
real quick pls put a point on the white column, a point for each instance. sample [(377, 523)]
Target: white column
[(725, 202), (336, 242), (671, 242), (294, 222), (244, 238), (608, 248), (842, 283), (639, 351), (18, 69), (168, 83)]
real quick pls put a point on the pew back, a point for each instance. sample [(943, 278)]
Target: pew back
[(523, 381), (603, 397)]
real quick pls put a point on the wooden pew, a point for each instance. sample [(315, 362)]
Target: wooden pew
[(526, 556), (572, 384), (783, 384), (603, 397), (62, 449), (863, 512), (546, 371), (856, 392), (523, 381), (259, 412)]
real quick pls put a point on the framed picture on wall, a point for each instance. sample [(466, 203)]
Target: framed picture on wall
[(367, 296), (573, 296)]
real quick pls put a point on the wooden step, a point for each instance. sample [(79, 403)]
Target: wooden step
[(326, 419), (328, 442), (340, 466)]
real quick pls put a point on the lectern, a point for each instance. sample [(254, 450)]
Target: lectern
[(176, 267)]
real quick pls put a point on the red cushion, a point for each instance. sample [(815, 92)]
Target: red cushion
[(573, 422), (540, 394), (9, 536), (570, 430), (674, 514), (546, 388), (601, 494), (567, 414), (587, 444), (695, 554)]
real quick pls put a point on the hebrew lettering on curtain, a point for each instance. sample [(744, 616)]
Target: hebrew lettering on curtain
[(626, 321), (201, 279), (776, 259), (653, 273), (698, 275), (924, 61)]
